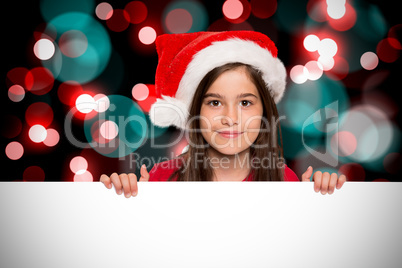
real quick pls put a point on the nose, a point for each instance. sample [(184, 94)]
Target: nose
[(231, 116)]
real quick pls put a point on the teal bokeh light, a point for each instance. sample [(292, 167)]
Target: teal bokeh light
[(51, 8), (91, 62), (154, 131), (132, 128), (375, 139), (370, 24), (304, 103), (290, 15), (198, 13)]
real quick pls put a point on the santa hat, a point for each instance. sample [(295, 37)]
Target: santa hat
[(184, 60)]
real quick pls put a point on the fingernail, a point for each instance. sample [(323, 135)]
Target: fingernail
[(127, 195), (143, 166), (134, 194), (310, 167)]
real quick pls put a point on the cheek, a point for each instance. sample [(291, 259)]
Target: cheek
[(253, 130), (253, 122), (204, 119)]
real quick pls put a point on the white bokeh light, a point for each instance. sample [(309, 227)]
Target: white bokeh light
[(327, 48), (37, 133), (85, 103), (44, 49), (102, 103), (311, 42), (109, 130), (299, 74)]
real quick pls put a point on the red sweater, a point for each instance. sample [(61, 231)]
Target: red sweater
[(162, 171)]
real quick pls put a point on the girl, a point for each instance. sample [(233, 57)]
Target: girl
[(222, 88)]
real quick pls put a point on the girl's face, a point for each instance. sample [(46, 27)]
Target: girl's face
[(231, 113)]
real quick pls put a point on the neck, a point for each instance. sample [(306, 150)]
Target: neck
[(230, 167)]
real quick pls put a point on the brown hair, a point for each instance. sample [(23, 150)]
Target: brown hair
[(191, 170)]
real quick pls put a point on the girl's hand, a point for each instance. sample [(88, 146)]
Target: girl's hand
[(125, 182), (324, 182)]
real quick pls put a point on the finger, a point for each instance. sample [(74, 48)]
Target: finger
[(307, 175), (116, 182), (332, 183), (342, 179), (106, 181), (325, 182), (317, 181), (144, 173), (126, 184), (133, 183)]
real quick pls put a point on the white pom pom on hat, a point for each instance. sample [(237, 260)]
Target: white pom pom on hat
[(184, 60)]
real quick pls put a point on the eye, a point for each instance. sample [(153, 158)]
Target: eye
[(246, 102), (214, 103)]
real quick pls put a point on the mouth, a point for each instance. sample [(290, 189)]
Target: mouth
[(229, 134)]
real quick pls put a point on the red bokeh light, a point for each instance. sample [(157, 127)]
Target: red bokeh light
[(16, 76), (45, 30), (380, 180), (16, 93), (84, 177), (344, 143), (98, 138), (151, 99), (119, 21), (346, 22), (69, 91), (224, 25), (104, 11), (340, 69), (232, 7), (392, 162), (39, 81), (98, 164), (39, 113), (263, 9), (137, 11), (14, 150), (78, 165), (52, 137), (140, 92), (33, 173), (317, 10), (109, 130), (386, 52), (395, 36), (178, 21), (353, 172)]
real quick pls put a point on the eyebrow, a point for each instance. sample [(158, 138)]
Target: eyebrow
[(242, 95)]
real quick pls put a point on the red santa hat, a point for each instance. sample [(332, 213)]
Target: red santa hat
[(184, 60)]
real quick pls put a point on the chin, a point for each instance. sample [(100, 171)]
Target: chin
[(229, 151)]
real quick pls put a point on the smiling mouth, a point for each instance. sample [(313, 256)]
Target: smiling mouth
[(227, 134)]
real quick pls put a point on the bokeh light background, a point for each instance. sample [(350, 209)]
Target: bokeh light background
[(79, 81)]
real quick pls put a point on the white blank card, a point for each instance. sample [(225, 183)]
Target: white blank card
[(200, 224)]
